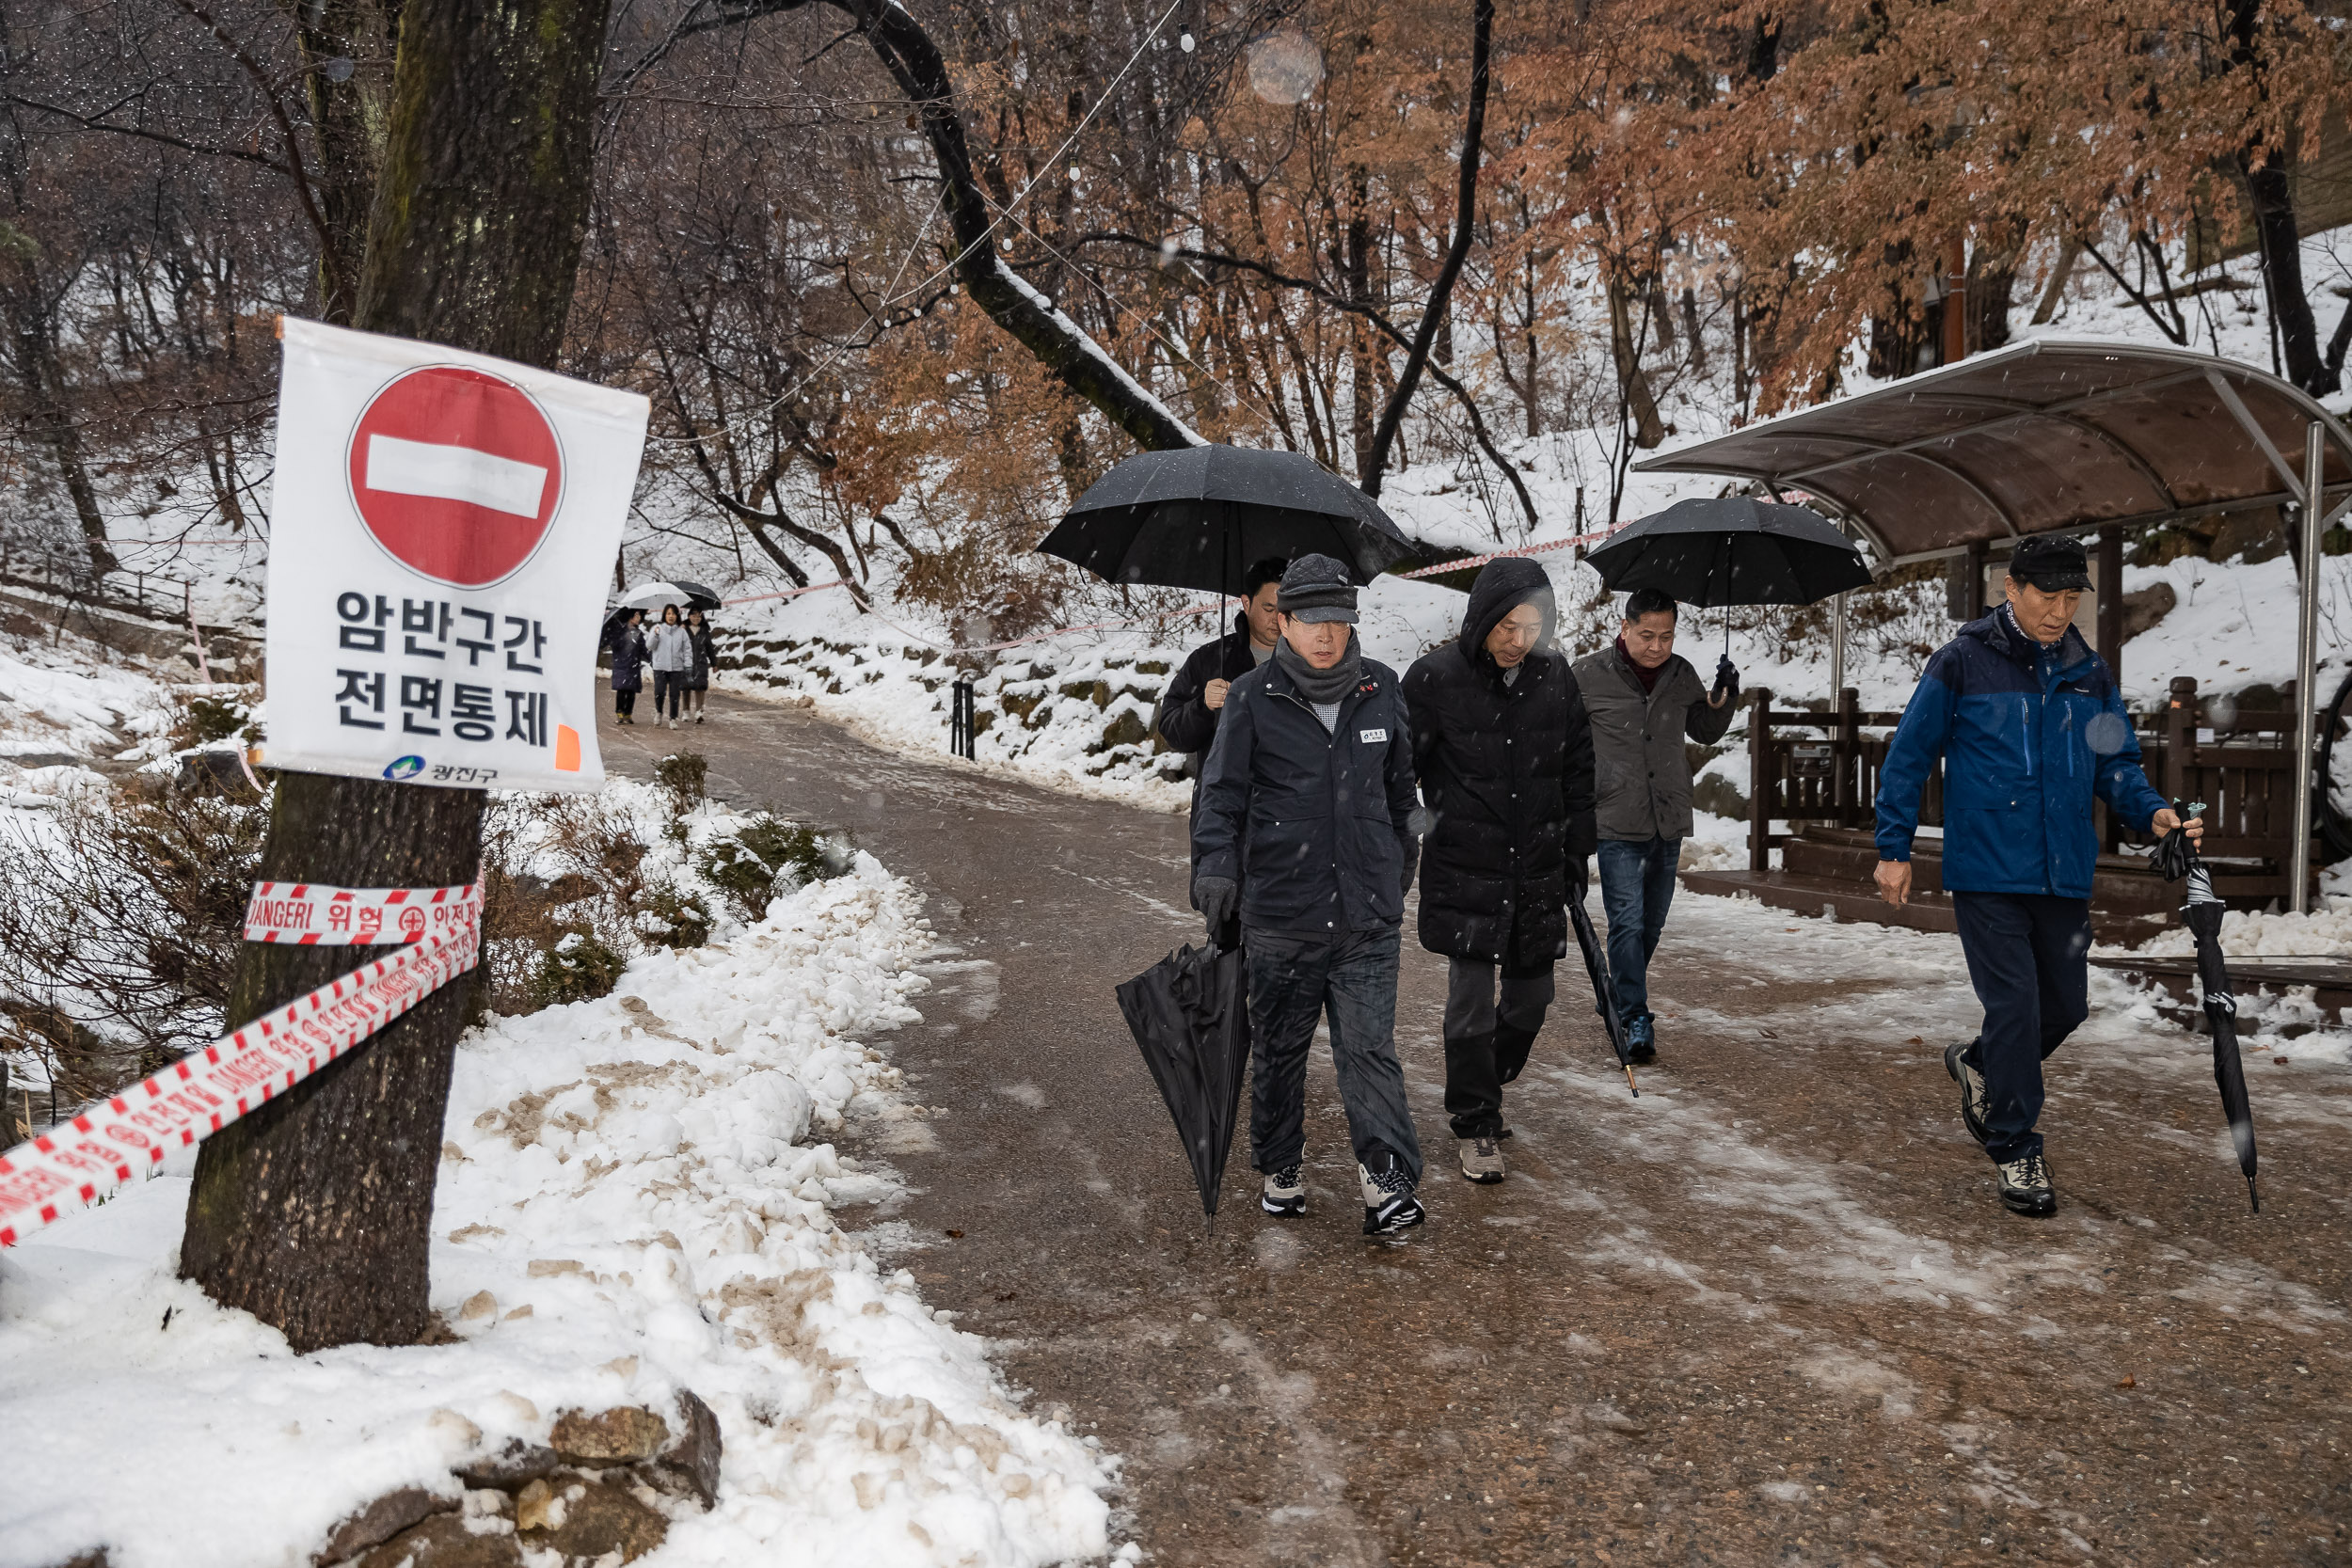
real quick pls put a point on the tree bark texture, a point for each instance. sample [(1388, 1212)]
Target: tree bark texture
[(314, 1214), (1465, 218), (346, 60)]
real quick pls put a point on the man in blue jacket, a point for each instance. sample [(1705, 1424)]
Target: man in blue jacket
[(2030, 726), (1303, 823)]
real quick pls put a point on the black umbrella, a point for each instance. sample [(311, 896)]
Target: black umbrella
[(1191, 1020), (1596, 965), (1197, 516), (1733, 550), (2201, 912)]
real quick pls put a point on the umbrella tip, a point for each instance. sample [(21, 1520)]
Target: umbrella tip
[(2253, 1196), (1632, 1084)]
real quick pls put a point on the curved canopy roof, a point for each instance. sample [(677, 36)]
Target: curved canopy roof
[(2041, 436)]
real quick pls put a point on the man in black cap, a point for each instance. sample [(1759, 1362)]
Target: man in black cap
[(1504, 755), (1304, 826), (2030, 726)]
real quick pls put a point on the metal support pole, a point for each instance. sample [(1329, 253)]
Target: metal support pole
[(1836, 647), (2307, 666)]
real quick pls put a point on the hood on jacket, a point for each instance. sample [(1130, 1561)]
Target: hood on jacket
[(1500, 588)]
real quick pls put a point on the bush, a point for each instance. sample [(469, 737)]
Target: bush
[(118, 940), (211, 718), (684, 776), (580, 968), (766, 857), (674, 918)]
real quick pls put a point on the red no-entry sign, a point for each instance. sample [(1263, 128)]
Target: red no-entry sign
[(456, 472)]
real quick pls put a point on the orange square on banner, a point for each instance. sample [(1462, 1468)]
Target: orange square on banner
[(566, 749)]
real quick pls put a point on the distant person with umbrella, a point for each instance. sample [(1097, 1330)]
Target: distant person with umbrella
[(1304, 828), (2030, 726), (698, 678), (1504, 755), (670, 650), (1643, 699), (629, 666)]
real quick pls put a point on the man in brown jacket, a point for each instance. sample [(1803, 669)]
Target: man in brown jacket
[(1643, 699)]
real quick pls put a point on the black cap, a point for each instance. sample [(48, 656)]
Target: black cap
[(1316, 588), (2053, 562)]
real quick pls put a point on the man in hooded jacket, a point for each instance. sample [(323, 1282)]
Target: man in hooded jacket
[(1504, 755), (1305, 827)]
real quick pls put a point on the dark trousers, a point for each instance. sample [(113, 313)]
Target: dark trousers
[(624, 702), (2028, 960), (668, 687), (1295, 978), (1637, 885), (1487, 1038)]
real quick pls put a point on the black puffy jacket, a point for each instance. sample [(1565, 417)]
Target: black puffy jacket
[(1506, 770), (1315, 825)]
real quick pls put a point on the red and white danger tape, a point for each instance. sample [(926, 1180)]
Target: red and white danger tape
[(440, 929)]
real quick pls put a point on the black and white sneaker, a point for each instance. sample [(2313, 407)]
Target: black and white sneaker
[(2024, 1184), (1971, 1082), (1284, 1194), (1389, 1206)]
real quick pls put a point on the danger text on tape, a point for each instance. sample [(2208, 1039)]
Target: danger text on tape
[(128, 1136)]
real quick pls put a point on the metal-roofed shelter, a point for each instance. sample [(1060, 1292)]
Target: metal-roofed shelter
[(2060, 437)]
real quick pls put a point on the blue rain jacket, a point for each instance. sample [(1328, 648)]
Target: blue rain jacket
[(2029, 737)]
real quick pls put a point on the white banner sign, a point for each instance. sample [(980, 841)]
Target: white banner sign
[(442, 533)]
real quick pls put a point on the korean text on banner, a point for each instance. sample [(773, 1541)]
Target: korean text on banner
[(444, 527)]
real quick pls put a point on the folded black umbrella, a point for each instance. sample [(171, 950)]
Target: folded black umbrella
[(1732, 550), (2201, 912), (1604, 1003), (1198, 516), (1190, 1017)]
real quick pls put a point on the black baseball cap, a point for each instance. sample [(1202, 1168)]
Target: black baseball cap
[(2054, 562), (1316, 588)]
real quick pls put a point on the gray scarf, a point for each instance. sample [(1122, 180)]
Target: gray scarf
[(1322, 685)]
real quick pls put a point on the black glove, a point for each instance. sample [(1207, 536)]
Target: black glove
[(1580, 877), (1412, 863), (1726, 678), (1216, 897)]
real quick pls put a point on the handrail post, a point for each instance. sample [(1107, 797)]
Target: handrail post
[(2307, 666), (1759, 780)]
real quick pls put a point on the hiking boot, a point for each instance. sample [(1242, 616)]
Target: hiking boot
[(2024, 1184), (1640, 1037), (1482, 1159), (1284, 1194), (1972, 1094), (1389, 1205)]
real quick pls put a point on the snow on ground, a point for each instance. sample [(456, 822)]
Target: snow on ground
[(629, 1205), (1847, 987), (70, 697)]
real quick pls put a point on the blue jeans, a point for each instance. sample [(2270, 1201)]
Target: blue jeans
[(2026, 959), (1295, 978), (1637, 883)]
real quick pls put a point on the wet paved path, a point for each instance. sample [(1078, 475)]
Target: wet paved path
[(1771, 1312)]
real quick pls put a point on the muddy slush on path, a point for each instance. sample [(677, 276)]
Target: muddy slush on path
[(1772, 1311)]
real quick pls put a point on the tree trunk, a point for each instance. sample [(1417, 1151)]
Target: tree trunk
[(314, 1214), (345, 60), (2282, 248), (1625, 345), (1465, 220), (1360, 346)]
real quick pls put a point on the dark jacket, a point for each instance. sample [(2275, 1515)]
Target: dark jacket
[(1184, 719), (1506, 771), (1640, 774), (2027, 738), (1315, 826), (628, 660), (698, 676)]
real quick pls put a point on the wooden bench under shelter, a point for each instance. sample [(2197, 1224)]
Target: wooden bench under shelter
[(2097, 439)]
